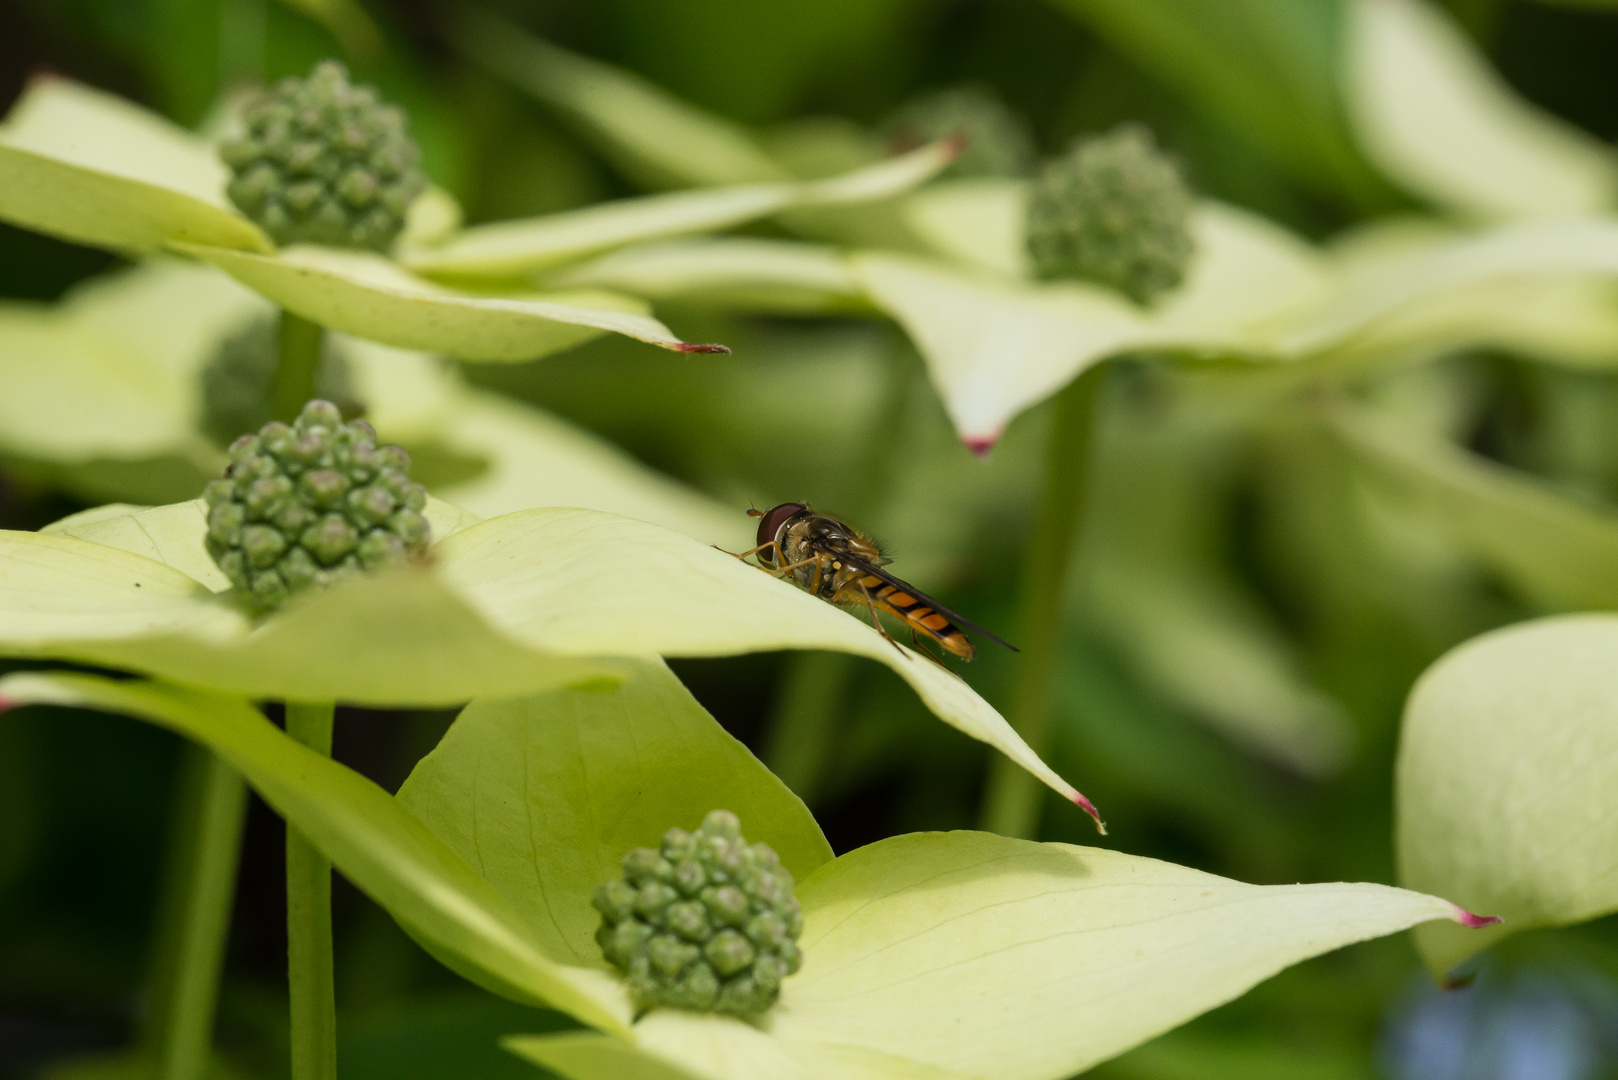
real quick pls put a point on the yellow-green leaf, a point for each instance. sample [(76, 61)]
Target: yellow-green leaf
[(995, 345), (510, 249), (545, 794), (536, 459), (1435, 117), (1559, 552), (399, 638), (582, 583), (978, 222), (1429, 277), (520, 603), (372, 297), (747, 272), (110, 373), (93, 168), (1506, 780), (949, 955), (377, 843)]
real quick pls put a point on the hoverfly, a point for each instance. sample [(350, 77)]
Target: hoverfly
[(837, 563)]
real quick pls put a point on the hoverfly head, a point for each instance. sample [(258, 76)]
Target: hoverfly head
[(771, 523)]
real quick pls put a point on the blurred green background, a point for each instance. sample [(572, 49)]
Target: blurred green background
[(1251, 516)]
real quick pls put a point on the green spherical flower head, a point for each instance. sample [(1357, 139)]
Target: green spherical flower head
[(707, 923), (237, 383), (1115, 210), (311, 503), (996, 140), (325, 162)]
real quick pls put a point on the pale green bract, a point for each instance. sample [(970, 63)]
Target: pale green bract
[(949, 261), (1557, 552), (932, 955), (102, 390), (92, 168), (1433, 115), (996, 343), (96, 169), (510, 249), (513, 604), (372, 297), (1507, 764)]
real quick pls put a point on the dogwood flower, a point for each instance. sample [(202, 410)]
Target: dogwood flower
[(504, 605), (94, 169), (103, 395), (949, 262), (924, 955)]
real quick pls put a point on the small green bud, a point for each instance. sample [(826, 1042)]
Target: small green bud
[(236, 383), (996, 141), (707, 923), (308, 504), (1114, 210), (325, 162)]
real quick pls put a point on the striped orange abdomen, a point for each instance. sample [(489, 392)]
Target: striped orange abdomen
[(918, 615)]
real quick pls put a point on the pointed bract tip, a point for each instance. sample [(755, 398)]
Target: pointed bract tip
[(688, 346), (1089, 808), (953, 145), (1474, 922), (980, 445), (7, 704)]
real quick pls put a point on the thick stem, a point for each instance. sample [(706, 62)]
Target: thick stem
[(1012, 803), (194, 916), (309, 962), (803, 725), (297, 368)]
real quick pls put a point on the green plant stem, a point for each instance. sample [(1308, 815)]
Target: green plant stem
[(309, 961), (814, 689), (804, 722), (194, 914), (1012, 803), (297, 367)]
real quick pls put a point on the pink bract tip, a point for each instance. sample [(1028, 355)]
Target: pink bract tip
[(981, 444), (8, 703), (1090, 808), (1474, 922), (691, 347), (954, 144)]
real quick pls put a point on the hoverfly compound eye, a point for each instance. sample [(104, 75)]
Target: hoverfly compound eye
[(769, 526)]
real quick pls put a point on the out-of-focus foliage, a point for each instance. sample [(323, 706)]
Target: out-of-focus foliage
[(1272, 558)]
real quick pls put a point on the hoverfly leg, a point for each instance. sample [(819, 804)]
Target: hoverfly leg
[(925, 651), (750, 551), (773, 572), (876, 619)]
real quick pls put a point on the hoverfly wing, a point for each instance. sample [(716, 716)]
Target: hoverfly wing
[(905, 586)]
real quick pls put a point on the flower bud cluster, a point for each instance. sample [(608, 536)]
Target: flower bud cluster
[(325, 162), (996, 141), (1114, 210), (707, 923), (310, 503), (238, 382)]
